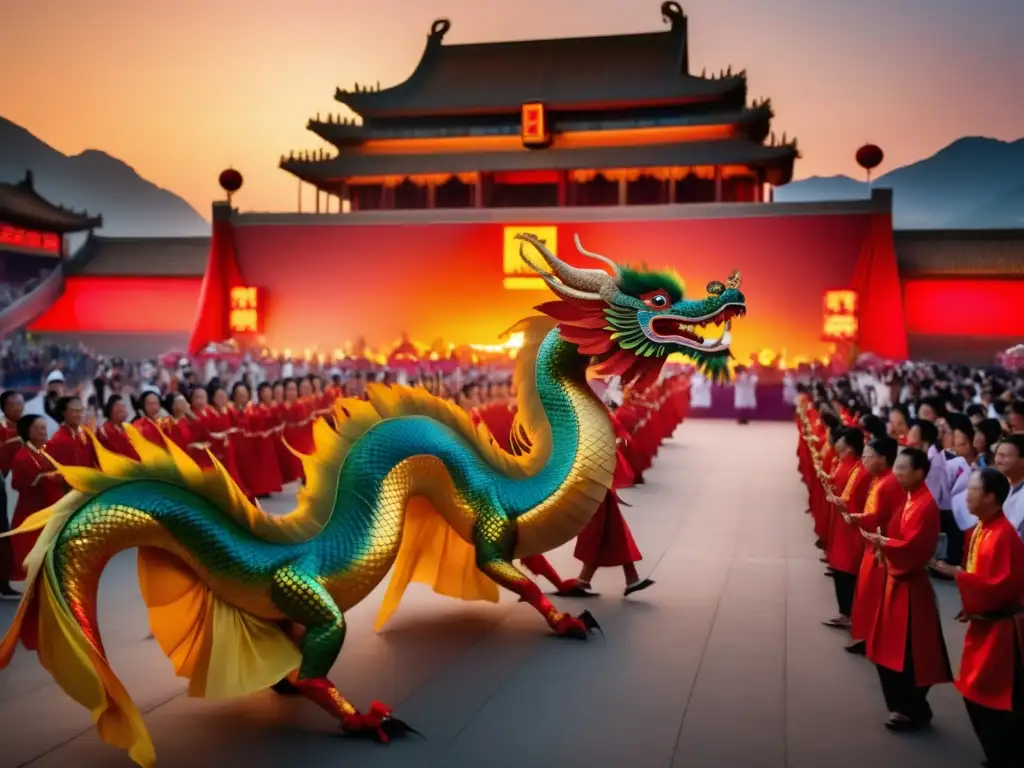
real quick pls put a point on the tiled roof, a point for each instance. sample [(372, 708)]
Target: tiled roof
[(960, 253), (142, 256), (20, 204)]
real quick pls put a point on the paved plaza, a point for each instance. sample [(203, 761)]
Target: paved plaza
[(723, 663)]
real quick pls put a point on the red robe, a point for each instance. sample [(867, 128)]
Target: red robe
[(607, 542), (179, 432), (908, 597), (10, 444), (837, 482), (71, 448), (150, 430), (112, 437), (219, 432), (885, 499), (846, 545), (263, 474), (35, 479), (297, 433), (992, 581)]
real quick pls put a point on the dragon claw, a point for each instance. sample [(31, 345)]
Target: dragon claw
[(575, 588), (576, 627), (377, 724)]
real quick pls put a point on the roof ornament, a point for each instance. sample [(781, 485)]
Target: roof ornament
[(439, 29), (672, 12)]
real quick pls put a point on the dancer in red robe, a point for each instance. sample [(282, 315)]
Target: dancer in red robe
[(12, 407), (297, 433), (148, 419), (240, 437), (112, 435), (218, 420), (991, 584), (885, 500), (263, 476), (178, 428), (607, 542), (37, 483), (70, 445), (201, 445), (846, 545), (906, 644)]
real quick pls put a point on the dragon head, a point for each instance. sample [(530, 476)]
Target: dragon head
[(631, 320)]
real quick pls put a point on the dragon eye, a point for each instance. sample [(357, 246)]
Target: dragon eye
[(657, 301), (715, 288)]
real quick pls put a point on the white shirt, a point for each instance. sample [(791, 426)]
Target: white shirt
[(1013, 508), (745, 391), (960, 471), (36, 407), (937, 479), (700, 391)]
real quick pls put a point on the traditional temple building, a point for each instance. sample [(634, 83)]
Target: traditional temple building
[(584, 121), (33, 248)]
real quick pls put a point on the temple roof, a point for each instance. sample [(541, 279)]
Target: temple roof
[(991, 253), (753, 120), (141, 257), (687, 154), (21, 205), (566, 73)]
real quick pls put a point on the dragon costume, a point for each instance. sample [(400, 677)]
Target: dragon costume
[(240, 599)]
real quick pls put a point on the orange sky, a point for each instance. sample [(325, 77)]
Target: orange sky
[(181, 90)]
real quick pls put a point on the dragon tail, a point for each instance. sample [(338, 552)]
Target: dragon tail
[(221, 650), (67, 645)]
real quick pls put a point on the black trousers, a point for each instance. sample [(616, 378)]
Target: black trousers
[(846, 587), (902, 693), (6, 555), (1001, 733), (954, 537)]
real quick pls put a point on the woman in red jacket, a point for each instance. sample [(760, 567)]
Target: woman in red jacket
[(297, 432), (38, 484), (112, 435), (70, 444), (263, 473), (148, 420), (177, 427)]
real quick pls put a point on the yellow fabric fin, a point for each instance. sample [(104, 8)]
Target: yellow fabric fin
[(222, 651), (84, 675), (178, 604), (433, 553), (247, 654)]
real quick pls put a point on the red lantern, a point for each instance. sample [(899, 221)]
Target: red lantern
[(869, 157), (230, 181)]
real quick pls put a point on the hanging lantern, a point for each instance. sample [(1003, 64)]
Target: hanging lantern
[(869, 157), (230, 181)]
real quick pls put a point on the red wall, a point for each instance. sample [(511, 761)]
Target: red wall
[(326, 284), (122, 304), (984, 308)]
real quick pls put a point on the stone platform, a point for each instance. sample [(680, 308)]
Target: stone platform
[(722, 664)]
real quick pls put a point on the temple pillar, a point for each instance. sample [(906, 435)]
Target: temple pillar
[(718, 183), (316, 208), (478, 191), (623, 190), (431, 194), (562, 189), (672, 189)]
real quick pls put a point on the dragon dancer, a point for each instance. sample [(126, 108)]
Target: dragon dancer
[(239, 599)]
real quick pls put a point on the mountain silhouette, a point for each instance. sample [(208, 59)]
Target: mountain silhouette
[(94, 181), (975, 182)]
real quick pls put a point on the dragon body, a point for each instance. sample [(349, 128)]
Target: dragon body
[(403, 483)]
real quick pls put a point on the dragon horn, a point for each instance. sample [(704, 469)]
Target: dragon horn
[(734, 280), (616, 272), (576, 283)]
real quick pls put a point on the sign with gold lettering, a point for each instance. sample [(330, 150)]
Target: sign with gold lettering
[(29, 239), (534, 126), (840, 322), (518, 276), (246, 310)]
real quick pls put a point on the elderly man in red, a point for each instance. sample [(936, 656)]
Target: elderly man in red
[(906, 643), (991, 584)]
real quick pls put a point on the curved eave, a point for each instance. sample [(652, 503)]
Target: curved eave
[(401, 101), (338, 134), (777, 161), (61, 223)]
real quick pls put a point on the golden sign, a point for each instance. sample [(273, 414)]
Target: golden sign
[(245, 310), (518, 276), (840, 322), (533, 125)]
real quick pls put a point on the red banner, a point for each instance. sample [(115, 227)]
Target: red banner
[(29, 239), (840, 323)]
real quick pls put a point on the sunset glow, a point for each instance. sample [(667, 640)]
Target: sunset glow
[(180, 91)]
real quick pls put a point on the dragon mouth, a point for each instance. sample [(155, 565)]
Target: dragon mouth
[(696, 332)]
